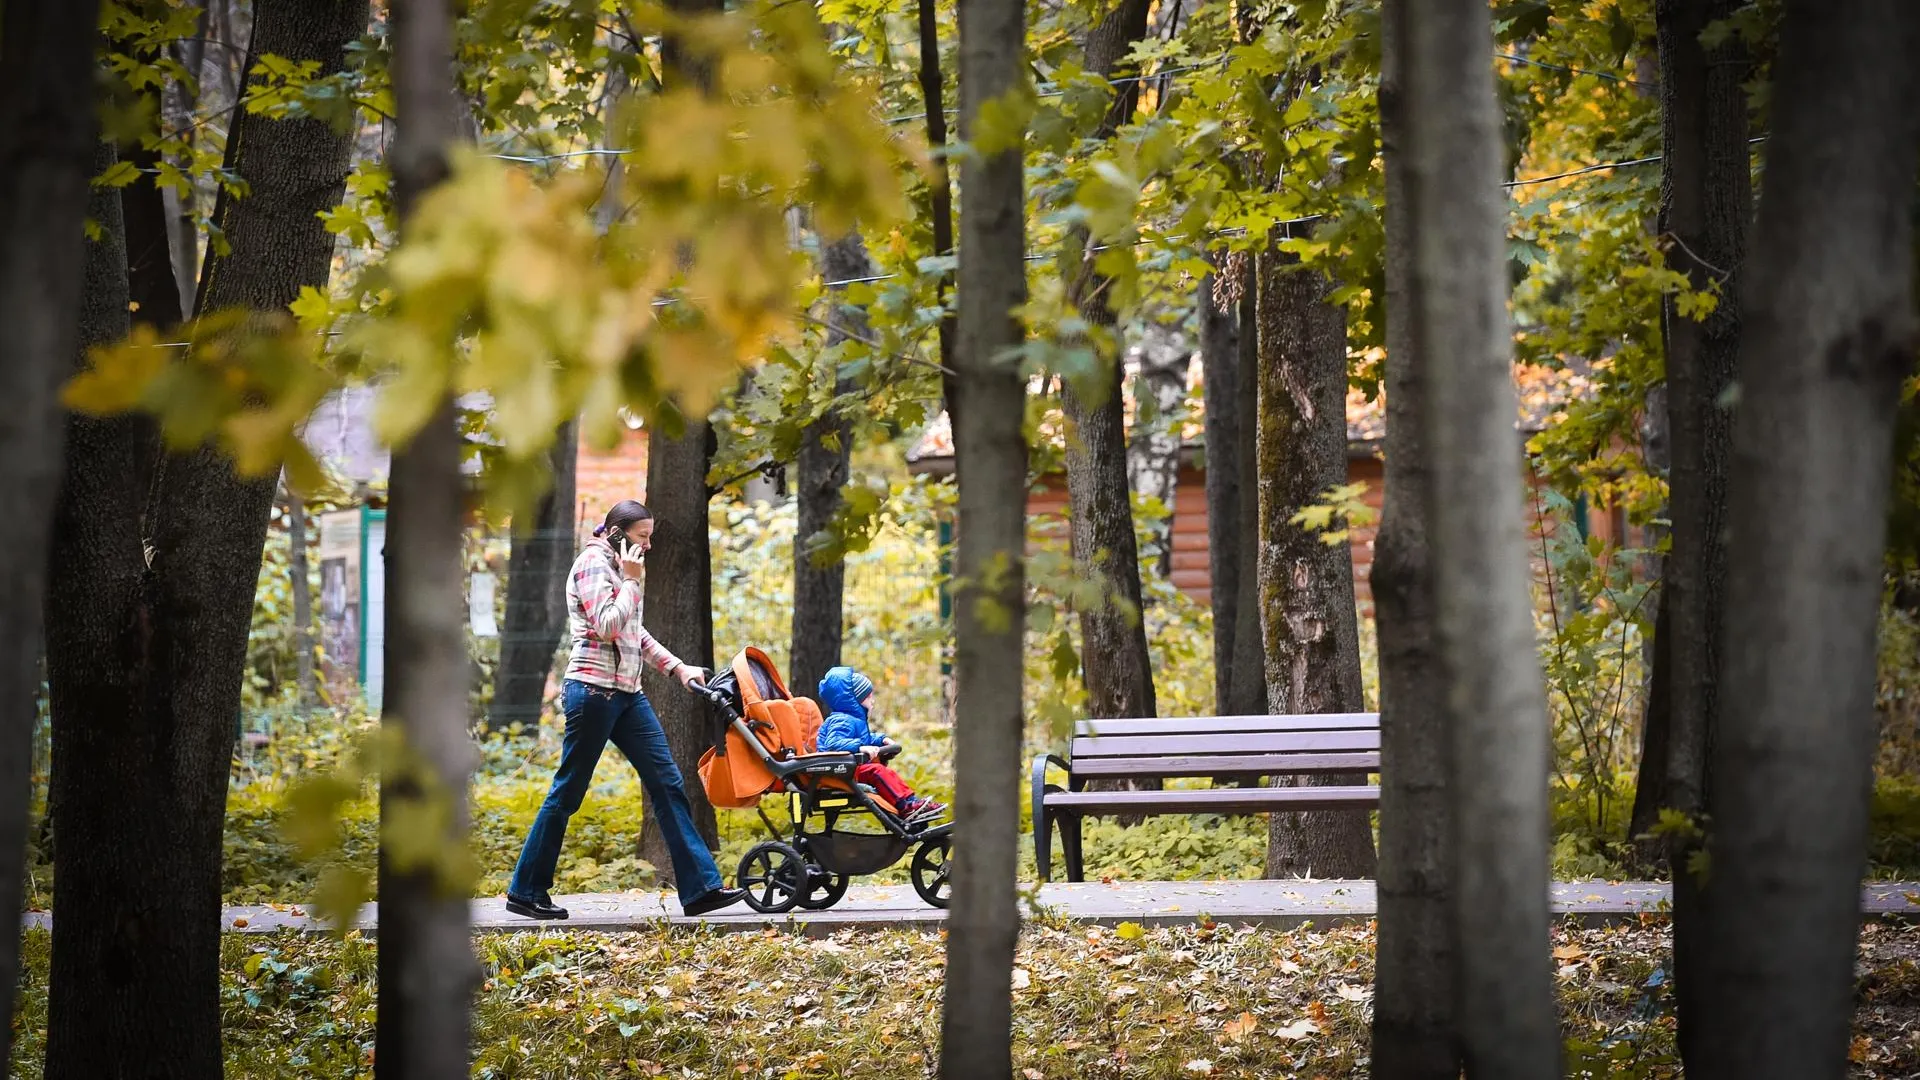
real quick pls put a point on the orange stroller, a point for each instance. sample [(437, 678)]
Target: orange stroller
[(764, 742)]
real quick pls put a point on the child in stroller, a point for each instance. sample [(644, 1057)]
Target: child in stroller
[(847, 730), (766, 742)]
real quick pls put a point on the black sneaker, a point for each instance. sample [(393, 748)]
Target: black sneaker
[(714, 901), (537, 907)]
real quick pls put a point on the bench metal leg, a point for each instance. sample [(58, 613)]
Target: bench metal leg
[(1042, 841), (1070, 844), (1042, 817)]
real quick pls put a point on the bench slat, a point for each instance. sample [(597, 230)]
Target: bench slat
[(1217, 800), (1100, 746), (1218, 725), (1226, 764)]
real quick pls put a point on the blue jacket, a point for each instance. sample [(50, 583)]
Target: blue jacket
[(845, 730)]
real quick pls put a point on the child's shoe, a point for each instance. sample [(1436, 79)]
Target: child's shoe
[(925, 810)]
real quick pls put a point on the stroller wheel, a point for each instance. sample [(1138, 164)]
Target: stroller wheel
[(929, 871), (772, 875), (824, 889)]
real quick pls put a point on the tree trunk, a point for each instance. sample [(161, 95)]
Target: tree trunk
[(151, 654), (182, 224), (536, 615), (1248, 684), (302, 590), (427, 970), (1309, 625), (679, 584), (1113, 639), (818, 589), (1415, 965), (1830, 307), (1706, 200), (1159, 418), (1496, 700), (939, 190), (101, 654), (1220, 374), (47, 155), (1656, 729), (152, 287), (679, 613), (990, 459)]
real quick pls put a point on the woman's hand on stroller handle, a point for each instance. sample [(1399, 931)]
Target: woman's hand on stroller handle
[(691, 677)]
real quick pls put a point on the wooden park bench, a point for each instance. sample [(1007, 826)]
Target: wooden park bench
[(1217, 747)]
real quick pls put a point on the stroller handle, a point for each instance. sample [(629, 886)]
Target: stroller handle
[(716, 697)]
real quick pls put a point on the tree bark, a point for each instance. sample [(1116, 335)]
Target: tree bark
[(1415, 966), (536, 615), (1113, 638), (1656, 730), (1248, 673), (679, 613), (819, 589), (1832, 336), (427, 970), (302, 590), (1220, 375), (101, 647), (939, 191), (990, 573), (1705, 204), (47, 155), (679, 585), (153, 289), (148, 655), (1496, 700), (1309, 624), (1153, 447), (184, 229)]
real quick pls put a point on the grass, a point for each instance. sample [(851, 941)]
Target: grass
[(1088, 1002)]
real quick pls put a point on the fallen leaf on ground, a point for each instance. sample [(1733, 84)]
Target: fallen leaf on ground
[(1022, 978), (1299, 1029), (1238, 1028)]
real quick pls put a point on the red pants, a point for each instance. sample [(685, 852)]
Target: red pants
[(886, 782)]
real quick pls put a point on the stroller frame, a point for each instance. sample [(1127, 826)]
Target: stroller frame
[(812, 869)]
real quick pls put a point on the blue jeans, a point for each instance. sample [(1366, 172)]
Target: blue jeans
[(595, 716)]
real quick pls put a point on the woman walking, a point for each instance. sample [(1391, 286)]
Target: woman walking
[(604, 704)]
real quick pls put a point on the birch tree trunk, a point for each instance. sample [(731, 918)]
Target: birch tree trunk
[(1309, 626), (990, 602), (300, 586), (427, 969), (1159, 418), (47, 152), (1496, 704), (1830, 336), (819, 590), (1415, 964)]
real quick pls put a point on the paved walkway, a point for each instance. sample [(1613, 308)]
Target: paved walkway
[(1279, 904)]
